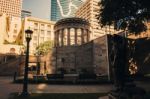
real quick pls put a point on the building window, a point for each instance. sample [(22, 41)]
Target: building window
[(15, 31), (48, 38), (48, 33), (12, 50), (42, 32), (15, 25), (35, 38), (14, 36), (34, 45), (35, 30), (42, 26), (36, 25), (48, 26), (41, 39)]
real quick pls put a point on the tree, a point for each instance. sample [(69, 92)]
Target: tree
[(128, 15), (44, 47)]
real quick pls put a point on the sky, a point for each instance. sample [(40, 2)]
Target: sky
[(38, 8)]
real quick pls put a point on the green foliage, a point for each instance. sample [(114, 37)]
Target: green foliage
[(125, 14), (44, 48)]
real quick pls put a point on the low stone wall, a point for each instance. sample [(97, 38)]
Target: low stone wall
[(84, 58), (65, 58), (90, 57), (9, 67)]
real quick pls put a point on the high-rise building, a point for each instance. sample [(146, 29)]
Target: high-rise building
[(43, 30), (64, 8), (25, 13), (11, 7), (11, 34), (88, 11)]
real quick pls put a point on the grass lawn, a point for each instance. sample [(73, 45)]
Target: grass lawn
[(59, 96)]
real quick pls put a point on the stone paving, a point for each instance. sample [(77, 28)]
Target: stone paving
[(7, 87)]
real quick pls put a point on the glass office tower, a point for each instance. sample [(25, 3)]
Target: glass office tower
[(64, 8)]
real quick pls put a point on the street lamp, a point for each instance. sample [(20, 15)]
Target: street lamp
[(28, 35)]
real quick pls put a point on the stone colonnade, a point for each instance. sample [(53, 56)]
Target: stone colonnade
[(71, 31)]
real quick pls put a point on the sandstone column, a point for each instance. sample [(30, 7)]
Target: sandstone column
[(88, 35), (62, 37), (55, 39), (75, 36), (68, 38), (85, 35), (58, 38), (82, 36)]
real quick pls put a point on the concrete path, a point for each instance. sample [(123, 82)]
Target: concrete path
[(7, 87)]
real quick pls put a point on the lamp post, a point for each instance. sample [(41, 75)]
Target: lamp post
[(28, 35)]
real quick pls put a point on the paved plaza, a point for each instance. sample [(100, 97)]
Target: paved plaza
[(7, 87)]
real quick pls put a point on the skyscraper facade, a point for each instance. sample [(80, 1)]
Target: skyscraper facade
[(25, 13), (64, 8), (89, 10), (11, 7), (43, 30)]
